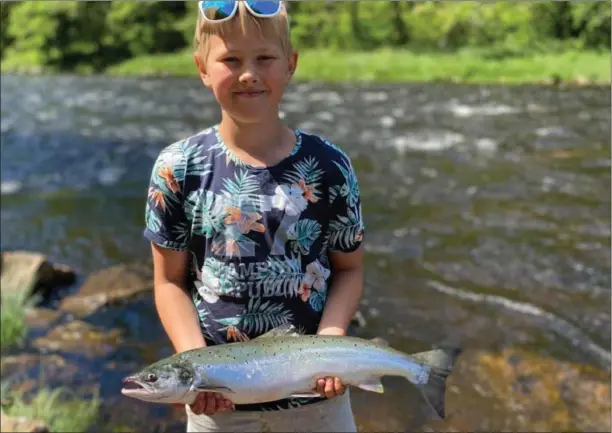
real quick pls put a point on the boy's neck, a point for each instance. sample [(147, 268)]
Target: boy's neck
[(263, 143)]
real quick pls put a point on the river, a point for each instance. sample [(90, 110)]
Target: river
[(487, 207)]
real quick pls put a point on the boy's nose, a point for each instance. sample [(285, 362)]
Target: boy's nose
[(248, 76)]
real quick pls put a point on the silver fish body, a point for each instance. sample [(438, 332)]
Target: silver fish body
[(283, 365)]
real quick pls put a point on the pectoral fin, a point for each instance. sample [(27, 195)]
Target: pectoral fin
[(373, 384)]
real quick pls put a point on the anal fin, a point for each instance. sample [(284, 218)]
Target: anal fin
[(219, 389), (373, 384), (312, 394)]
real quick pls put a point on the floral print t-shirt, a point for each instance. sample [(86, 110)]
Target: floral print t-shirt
[(259, 238)]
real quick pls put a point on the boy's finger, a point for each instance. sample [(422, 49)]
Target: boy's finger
[(321, 386), (339, 386), (198, 407), (211, 404), (329, 388)]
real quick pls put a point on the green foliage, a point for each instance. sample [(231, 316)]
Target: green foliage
[(57, 35), (144, 27), (13, 306), (466, 65), (91, 36), (60, 409)]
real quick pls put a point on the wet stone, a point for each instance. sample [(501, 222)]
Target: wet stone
[(111, 286), (32, 272), (80, 337)]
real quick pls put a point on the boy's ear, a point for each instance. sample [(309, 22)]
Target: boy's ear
[(201, 69), (293, 62)]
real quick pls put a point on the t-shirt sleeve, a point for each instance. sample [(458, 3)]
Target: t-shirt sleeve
[(346, 228), (166, 222)]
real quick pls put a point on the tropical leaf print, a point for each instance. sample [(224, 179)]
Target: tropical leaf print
[(152, 221), (225, 276), (242, 192), (344, 231), (206, 218), (306, 175), (323, 256), (350, 189), (194, 162), (303, 234), (281, 276), (260, 316), (201, 309), (317, 299), (182, 232)]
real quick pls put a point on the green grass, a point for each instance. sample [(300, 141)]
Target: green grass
[(468, 65), (60, 409), (13, 308)]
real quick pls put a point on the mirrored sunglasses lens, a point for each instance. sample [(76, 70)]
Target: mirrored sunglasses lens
[(217, 10), (265, 8)]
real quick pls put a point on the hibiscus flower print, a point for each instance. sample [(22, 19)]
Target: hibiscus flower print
[(208, 289), (315, 278), (304, 291), (316, 275), (290, 198), (211, 281)]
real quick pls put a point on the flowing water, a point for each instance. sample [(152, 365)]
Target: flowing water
[(487, 208)]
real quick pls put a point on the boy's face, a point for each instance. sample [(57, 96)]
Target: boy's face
[(247, 73)]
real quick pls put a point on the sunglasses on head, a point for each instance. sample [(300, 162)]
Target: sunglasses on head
[(218, 11)]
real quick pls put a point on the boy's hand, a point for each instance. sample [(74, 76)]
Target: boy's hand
[(210, 403), (330, 387)]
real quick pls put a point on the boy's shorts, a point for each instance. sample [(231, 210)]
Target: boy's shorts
[(333, 415)]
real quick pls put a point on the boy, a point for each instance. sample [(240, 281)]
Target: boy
[(250, 222)]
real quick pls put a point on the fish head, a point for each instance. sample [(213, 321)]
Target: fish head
[(167, 382)]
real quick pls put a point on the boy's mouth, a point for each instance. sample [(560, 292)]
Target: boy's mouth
[(249, 93)]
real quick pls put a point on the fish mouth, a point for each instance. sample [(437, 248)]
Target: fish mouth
[(132, 384)]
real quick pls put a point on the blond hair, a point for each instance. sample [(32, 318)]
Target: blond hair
[(277, 27)]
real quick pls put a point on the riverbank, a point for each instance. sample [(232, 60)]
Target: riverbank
[(465, 66), (469, 66)]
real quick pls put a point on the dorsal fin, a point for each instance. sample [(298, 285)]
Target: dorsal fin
[(286, 330)]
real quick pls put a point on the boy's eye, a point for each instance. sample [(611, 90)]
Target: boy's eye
[(230, 59), (263, 58)]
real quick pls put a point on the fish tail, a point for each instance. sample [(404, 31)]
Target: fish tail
[(441, 363)]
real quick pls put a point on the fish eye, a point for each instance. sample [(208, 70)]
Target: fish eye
[(151, 377)]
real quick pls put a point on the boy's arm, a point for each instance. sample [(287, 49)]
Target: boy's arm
[(179, 316), (172, 301), (344, 295), (343, 298)]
